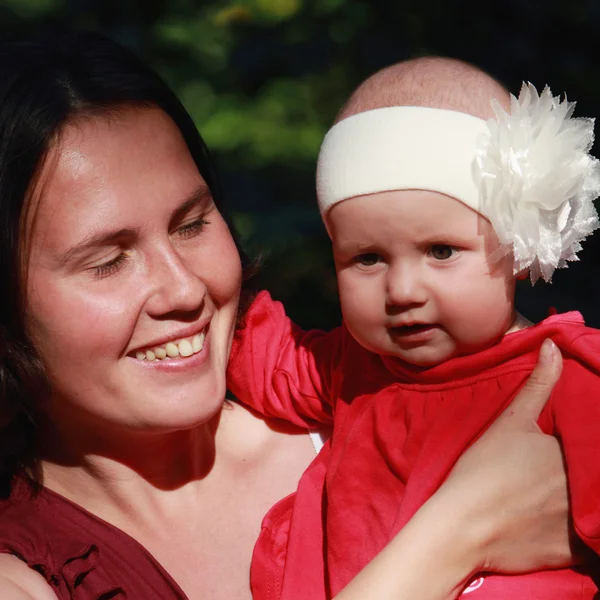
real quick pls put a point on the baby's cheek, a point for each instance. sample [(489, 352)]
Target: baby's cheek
[(359, 304), (488, 312), (361, 318)]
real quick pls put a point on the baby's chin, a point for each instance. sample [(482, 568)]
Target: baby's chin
[(418, 355), (425, 359), (429, 350), (429, 356)]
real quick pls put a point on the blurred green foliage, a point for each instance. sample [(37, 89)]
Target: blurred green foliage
[(263, 80)]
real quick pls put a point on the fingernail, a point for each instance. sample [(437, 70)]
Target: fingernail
[(548, 352)]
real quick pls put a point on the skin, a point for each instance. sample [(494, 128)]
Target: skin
[(415, 276), (117, 429)]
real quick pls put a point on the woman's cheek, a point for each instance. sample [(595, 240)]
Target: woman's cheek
[(222, 269), (95, 314)]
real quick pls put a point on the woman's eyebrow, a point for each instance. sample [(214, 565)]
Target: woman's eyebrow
[(200, 196)]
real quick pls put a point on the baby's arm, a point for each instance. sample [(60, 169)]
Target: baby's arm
[(280, 370)]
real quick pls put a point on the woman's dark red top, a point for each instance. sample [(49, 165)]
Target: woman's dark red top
[(81, 556)]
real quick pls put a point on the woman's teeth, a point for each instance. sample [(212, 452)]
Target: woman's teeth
[(182, 348)]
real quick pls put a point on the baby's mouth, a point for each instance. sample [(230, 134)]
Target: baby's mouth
[(407, 330)]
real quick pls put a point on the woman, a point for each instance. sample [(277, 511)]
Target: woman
[(134, 477)]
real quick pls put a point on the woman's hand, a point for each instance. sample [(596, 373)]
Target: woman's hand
[(513, 486)]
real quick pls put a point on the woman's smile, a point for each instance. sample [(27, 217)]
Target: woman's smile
[(182, 344), (196, 351)]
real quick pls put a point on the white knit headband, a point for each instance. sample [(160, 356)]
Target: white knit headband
[(400, 148), (529, 172)]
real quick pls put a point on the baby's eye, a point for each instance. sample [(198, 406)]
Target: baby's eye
[(442, 251), (368, 259)]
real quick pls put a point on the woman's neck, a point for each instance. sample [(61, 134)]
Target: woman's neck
[(103, 471)]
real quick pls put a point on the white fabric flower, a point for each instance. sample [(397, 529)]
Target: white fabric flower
[(537, 180)]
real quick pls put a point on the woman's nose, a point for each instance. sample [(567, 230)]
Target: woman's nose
[(405, 286), (176, 288)]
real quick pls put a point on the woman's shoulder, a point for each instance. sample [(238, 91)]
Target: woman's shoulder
[(269, 449), (19, 582), (245, 432)]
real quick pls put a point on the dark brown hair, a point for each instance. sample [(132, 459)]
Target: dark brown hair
[(47, 81)]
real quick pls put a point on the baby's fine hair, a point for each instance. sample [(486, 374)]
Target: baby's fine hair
[(432, 82)]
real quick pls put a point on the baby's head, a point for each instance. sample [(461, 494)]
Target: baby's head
[(422, 274)]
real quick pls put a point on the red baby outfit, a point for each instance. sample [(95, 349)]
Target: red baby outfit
[(81, 556), (398, 430)]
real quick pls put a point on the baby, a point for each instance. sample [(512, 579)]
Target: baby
[(438, 190)]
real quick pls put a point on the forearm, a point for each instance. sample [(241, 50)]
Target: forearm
[(432, 558)]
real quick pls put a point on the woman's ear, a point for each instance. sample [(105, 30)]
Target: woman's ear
[(522, 275)]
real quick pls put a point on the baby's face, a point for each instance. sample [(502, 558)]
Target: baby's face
[(415, 276)]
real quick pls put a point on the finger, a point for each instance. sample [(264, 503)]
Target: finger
[(532, 398)]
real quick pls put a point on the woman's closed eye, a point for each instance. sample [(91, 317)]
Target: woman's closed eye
[(109, 267), (191, 229), (442, 251), (186, 231)]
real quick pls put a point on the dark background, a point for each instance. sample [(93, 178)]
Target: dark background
[(264, 78)]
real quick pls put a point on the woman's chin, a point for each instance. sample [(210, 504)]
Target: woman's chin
[(154, 409), (189, 409)]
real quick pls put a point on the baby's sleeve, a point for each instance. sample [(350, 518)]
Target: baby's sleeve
[(280, 370), (576, 412)]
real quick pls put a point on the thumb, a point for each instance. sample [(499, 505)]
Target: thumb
[(532, 397)]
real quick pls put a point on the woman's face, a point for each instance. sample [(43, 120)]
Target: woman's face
[(128, 253)]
